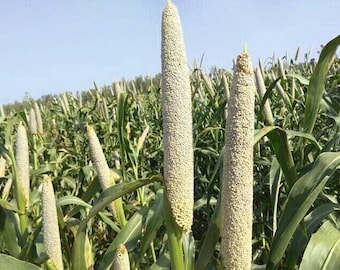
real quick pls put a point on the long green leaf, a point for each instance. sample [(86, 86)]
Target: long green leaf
[(129, 235), (301, 237), (309, 137), (299, 77), (210, 240), (112, 194), (9, 206), (9, 262), (301, 197), (87, 196), (275, 177), (9, 231), (78, 258), (121, 109), (317, 82), (323, 249), (279, 141), (154, 220), (163, 263), (66, 200)]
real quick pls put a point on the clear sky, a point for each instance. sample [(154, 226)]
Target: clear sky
[(52, 46)]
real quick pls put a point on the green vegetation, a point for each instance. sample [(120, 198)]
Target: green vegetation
[(295, 173), (296, 187)]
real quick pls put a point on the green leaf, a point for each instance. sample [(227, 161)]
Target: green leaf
[(66, 200), (78, 258), (154, 220), (9, 230), (129, 235), (260, 133), (109, 221), (317, 82), (163, 263), (203, 202), (211, 238), (275, 177), (9, 262), (309, 137), (121, 109), (301, 237), (268, 93), (87, 196), (323, 249), (301, 79), (300, 198), (9, 206), (29, 246), (258, 267), (279, 140), (113, 193)]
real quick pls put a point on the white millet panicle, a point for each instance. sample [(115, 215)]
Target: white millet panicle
[(121, 261), (2, 166), (2, 111), (7, 188), (100, 163), (281, 69), (261, 89), (177, 120), (50, 223), (38, 118), (22, 160), (32, 124), (237, 184), (117, 88)]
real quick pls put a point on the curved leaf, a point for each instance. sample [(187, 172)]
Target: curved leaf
[(154, 220), (9, 232), (10, 262), (113, 193), (301, 197), (279, 140), (129, 236), (163, 263), (300, 78), (9, 206), (301, 237), (66, 200), (316, 85), (323, 249), (275, 177), (78, 258), (210, 239)]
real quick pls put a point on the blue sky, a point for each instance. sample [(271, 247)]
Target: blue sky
[(48, 47)]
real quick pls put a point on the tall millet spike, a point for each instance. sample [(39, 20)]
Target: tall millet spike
[(121, 261), (177, 120), (32, 124), (100, 164), (261, 89), (22, 160), (237, 183), (38, 118), (51, 234)]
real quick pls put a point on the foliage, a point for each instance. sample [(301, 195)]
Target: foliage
[(296, 187)]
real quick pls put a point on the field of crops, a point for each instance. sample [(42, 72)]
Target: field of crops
[(83, 176)]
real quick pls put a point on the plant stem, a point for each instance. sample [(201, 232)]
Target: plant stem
[(174, 238)]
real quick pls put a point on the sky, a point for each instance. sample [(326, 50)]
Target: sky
[(53, 46)]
